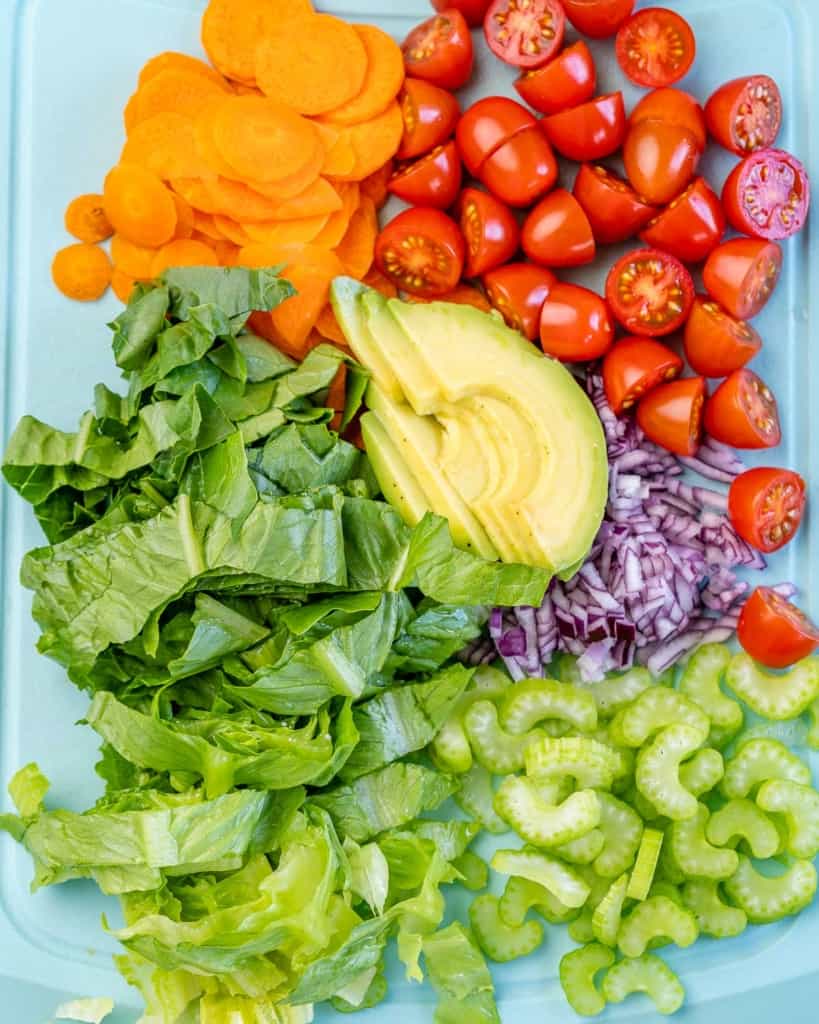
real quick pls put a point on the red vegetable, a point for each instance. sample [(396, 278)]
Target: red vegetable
[(634, 366), (766, 506), (691, 226), (614, 209), (487, 125), (421, 251), (774, 631), (521, 170), (517, 291), (590, 131), (598, 18), (525, 33), (767, 195), (649, 292), (716, 343), (472, 10), (674, 106), (742, 412), (660, 159), (655, 47), (434, 180), (564, 82), (741, 275), (557, 232), (490, 229), (745, 114), (671, 415), (575, 324), (430, 115), (440, 51)]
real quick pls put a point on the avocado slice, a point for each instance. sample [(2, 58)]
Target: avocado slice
[(397, 481), (346, 297)]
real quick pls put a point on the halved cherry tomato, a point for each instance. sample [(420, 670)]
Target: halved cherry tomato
[(487, 125), (430, 115), (473, 11), (742, 412), (575, 324), (660, 159), (765, 506), (655, 47), (525, 33), (745, 114), (767, 195), (649, 292), (440, 51), (557, 232), (590, 131), (741, 275), (522, 169), (671, 415), (421, 251), (716, 343), (564, 82), (517, 291), (691, 226), (434, 180), (490, 229), (633, 366), (598, 18), (674, 106), (774, 631), (614, 209)]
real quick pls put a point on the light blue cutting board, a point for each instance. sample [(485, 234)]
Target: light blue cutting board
[(66, 69)]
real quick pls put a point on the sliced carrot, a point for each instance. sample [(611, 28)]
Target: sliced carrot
[(85, 218), (286, 232), (263, 139), (226, 253), (165, 144), (205, 224), (383, 81), (319, 198), (288, 188), (184, 217), (337, 395), (243, 89), (375, 279), (171, 60), (231, 230), (122, 284), (375, 142), (375, 184), (314, 63), (139, 206), (182, 92), (233, 199), (231, 30), (134, 260), (184, 252), (462, 295), (206, 148), (340, 157), (357, 249), (337, 225), (129, 113), (327, 326), (82, 271), (193, 191)]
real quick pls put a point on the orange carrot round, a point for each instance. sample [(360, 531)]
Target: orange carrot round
[(165, 144), (82, 271), (375, 142), (357, 249), (181, 92), (122, 284), (171, 60), (262, 139), (134, 260), (184, 252), (337, 225), (85, 218), (139, 206), (320, 197), (383, 79), (231, 30), (184, 217)]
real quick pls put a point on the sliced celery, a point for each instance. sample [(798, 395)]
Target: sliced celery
[(577, 974), (813, 728), (518, 802), (765, 899), (656, 918), (613, 694), (700, 682), (658, 765), (560, 879), (474, 871), (592, 764), (714, 917), (652, 711), (500, 941), (700, 773), (522, 895), (668, 870), (532, 701), (694, 854), (741, 820), (609, 911), (781, 696), (648, 974), (622, 831), (799, 805), (661, 887), (493, 747), (583, 850), (476, 796), (647, 856), (756, 762), (581, 928), (451, 749)]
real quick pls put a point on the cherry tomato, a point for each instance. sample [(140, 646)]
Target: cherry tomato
[(660, 159), (691, 226), (745, 114), (742, 412), (473, 11), (767, 195), (575, 324), (487, 125), (564, 82), (522, 169), (525, 33), (430, 115), (590, 131), (598, 18), (557, 232), (741, 275), (634, 366), (716, 343), (674, 106), (649, 292), (517, 291), (434, 180), (765, 506), (421, 251), (655, 47), (440, 51), (774, 631), (490, 229), (614, 209), (671, 415)]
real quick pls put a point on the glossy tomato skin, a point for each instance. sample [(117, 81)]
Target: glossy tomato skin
[(486, 126), (743, 412), (655, 47), (766, 505), (745, 114), (517, 291), (557, 232), (588, 132), (440, 50), (434, 180), (432, 263), (674, 106), (490, 229), (767, 195), (473, 11), (671, 415), (715, 342), (633, 366), (567, 81), (525, 35), (521, 170), (598, 19), (614, 209), (691, 226), (430, 115), (741, 275), (575, 324), (660, 159), (650, 292), (774, 631)]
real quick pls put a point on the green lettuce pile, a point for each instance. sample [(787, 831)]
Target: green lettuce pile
[(267, 650)]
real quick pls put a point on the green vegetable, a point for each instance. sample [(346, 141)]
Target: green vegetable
[(609, 911), (496, 750), (656, 918), (658, 767), (653, 710), (532, 701), (765, 899), (518, 803), (613, 694), (742, 821), (693, 852), (648, 974), (714, 917), (592, 764), (622, 831), (521, 895), (461, 978), (476, 796), (577, 974), (700, 682), (756, 762), (775, 696), (451, 749), (473, 871), (562, 881), (89, 1011), (500, 941), (701, 772), (799, 806), (648, 855)]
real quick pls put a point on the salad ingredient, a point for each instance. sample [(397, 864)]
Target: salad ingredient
[(578, 969), (700, 682), (499, 941), (566, 81), (440, 50), (695, 855), (675, 106), (653, 918), (766, 506), (799, 806), (764, 898), (647, 974), (758, 760), (774, 631), (422, 251), (589, 131), (557, 233), (459, 974), (744, 820), (598, 18), (92, 1010), (655, 47), (262, 139), (634, 366), (85, 219), (472, 10), (538, 822), (657, 773), (717, 343), (521, 170), (645, 864), (383, 78), (743, 412), (714, 917), (183, 252), (231, 31), (650, 292), (517, 291), (490, 229), (671, 415), (745, 114), (575, 325), (660, 159), (741, 275), (486, 126), (690, 227), (773, 696), (433, 180), (139, 206), (530, 701), (613, 208), (81, 271), (429, 116), (608, 914), (525, 33), (767, 195)]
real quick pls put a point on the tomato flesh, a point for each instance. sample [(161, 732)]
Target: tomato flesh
[(649, 292), (521, 170), (490, 229), (440, 50), (525, 33), (590, 131), (766, 505), (743, 412), (473, 11), (434, 180), (774, 631), (745, 114), (691, 226), (655, 47), (741, 275), (564, 82), (575, 324), (716, 343), (517, 291), (660, 159), (421, 251), (633, 366), (598, 18), (675, 107), (557, 232), (486, 126), (613, 208), (670, 415), (767, 195), (429, 114)]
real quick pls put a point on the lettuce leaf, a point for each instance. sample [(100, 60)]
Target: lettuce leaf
[(461, 977)]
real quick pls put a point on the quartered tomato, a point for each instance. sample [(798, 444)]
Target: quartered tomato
[(671, 415), (434, 180), (430, 115), (522, 169), (742, 412), (767, 195), (421, 251), (575, 324), (590, 131), (440, 51), (472, 10), (674, 106), (649, 292), (741, 275), (633, 366), (487, 125), (655, 47), (564, 82), (691, 226), (745, 114), (525, 33), (490, 229), (774, 631), (614, 209), (716, 343), (557, 232), (660, 159), (598, 18), (517, 291), (766, 505)]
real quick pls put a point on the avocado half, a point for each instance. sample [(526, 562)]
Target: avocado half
[(469, 420)]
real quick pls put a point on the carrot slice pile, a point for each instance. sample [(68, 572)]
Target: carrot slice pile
[(85, 218), (82, 271), (382, 82)]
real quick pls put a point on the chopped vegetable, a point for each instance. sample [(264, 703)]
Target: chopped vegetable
[(82, 271), (648, 974)]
